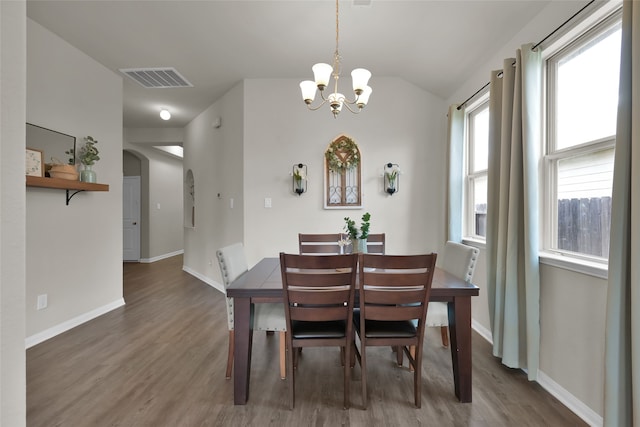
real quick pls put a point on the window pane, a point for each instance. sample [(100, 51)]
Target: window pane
[(584, 203), (480, 205), (480, 141), (587, 91)]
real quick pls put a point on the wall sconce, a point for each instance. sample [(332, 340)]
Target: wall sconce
[(299, 175), (391, 178)]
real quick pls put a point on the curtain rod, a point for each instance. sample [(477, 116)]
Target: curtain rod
[(533, 48)]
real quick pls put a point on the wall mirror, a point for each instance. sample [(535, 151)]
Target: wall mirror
[(52, 143)]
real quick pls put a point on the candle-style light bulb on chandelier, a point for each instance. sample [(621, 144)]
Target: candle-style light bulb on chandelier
[(322, 74)]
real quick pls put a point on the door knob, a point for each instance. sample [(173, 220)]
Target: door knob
[(135, 223)]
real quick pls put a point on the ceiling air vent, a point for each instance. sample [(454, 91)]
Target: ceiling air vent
[(157, 77)]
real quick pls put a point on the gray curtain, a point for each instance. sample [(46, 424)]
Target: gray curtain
[(622, 342), (513, 281), (455, 142)]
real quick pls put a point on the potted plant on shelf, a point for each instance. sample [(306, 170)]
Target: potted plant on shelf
[(358, 237), (88, 156)]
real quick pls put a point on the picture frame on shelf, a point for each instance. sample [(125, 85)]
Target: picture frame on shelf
[(34, 162)]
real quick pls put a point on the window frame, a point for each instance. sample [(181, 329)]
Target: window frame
[(470, 176), (589, 264)]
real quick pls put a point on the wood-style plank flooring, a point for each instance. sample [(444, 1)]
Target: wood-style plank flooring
[(160, 361)]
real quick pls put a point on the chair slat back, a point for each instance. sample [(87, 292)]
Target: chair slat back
[(318, 287), (395, 287), (319, 243), (376, 243)]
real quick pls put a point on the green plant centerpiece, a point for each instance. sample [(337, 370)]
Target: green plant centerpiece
[(358, 237), (88, 156)]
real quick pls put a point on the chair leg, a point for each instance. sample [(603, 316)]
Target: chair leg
[(417, 379), (230, 356), (292, 379), (399, 355), (412, 352), (283, 355), (444, 332), (347, 374), (363, 374)]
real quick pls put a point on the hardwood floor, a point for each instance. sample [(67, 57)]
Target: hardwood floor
[(160, 361)]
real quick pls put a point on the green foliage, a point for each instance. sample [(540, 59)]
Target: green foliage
[(89, 151), (352, 230)]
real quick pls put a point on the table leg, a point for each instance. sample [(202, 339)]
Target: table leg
[(460, 330), (242, 350)]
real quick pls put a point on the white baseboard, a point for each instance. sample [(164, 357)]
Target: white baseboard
[(574, 404), (205, 279), (71, 323), (587, 414), (161, 257), (484, 332)]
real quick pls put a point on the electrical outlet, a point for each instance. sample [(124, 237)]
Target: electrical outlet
[(42, 302), (267, 202)]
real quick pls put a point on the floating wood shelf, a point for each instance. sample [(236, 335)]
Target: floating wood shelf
[(65, 184)]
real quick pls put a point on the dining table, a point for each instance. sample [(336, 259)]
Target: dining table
[(263, 283)]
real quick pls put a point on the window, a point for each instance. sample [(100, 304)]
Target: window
[(582, 101), (477, 150)]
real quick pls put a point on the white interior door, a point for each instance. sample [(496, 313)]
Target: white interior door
[(131, 218)]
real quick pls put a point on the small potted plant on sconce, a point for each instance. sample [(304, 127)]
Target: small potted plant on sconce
[(88, 156), (391, 176), (358, 237), (299, 178)]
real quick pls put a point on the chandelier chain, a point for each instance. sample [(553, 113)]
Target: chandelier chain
[(336, 55), (323, 73)]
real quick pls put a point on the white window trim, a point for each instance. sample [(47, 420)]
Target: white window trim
[(469, 215), (597, 267)]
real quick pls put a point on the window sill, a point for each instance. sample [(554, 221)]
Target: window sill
[(579, 266), (589, 268)]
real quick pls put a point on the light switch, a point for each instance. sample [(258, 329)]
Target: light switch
[(231, 203), (267, 202), (157, 205)]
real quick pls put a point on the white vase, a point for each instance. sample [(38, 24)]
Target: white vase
[(88, 174), (359, 245)]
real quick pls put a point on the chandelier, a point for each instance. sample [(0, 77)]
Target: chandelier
[(322, 74)]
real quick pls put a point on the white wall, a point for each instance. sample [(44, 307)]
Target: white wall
[(73, 253), (251, 155), (13, 90), (215, 157), (572, 305), (402, 124)]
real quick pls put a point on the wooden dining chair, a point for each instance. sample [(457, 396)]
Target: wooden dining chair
[(268, 317), (376, 243), (326, 244), (319, 295), (394, 293)]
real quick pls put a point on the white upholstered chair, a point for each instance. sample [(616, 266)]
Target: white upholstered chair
[(267, 316), (459, 260)]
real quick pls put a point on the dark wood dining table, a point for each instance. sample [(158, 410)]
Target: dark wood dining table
[(263, 283)]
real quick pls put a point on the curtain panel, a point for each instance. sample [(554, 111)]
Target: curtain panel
[(513, 280), (455, 142), (622, 341)]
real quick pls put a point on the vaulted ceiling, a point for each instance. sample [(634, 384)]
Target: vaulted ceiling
[(435, 45)]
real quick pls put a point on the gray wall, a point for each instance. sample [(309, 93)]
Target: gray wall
[(13, 70), (73, 253)]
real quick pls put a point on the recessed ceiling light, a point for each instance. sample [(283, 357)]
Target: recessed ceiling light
[(165, 114)]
